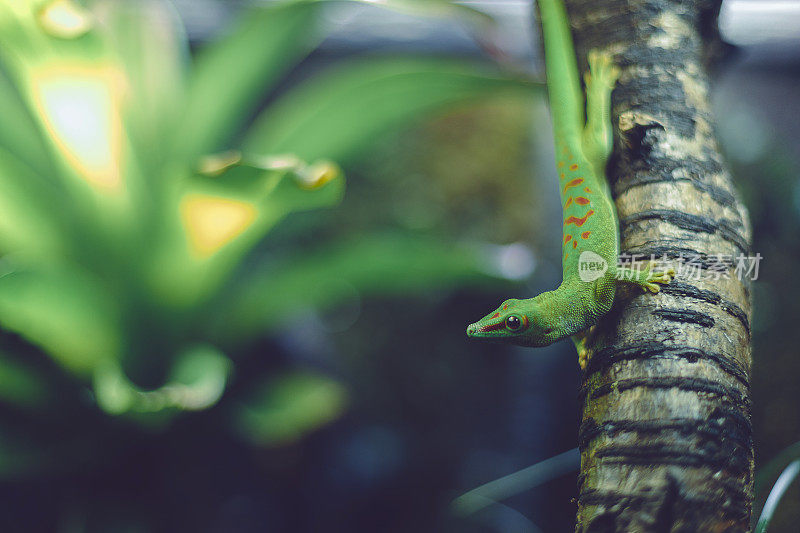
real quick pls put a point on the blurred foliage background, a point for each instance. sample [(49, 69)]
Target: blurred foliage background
[(203, 331)]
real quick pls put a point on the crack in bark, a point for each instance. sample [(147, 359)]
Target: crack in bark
[(721, 196), (680, 383), (665, 454), (692, 223), (685, 316), (610, 355), (724, 424), (681, 289)]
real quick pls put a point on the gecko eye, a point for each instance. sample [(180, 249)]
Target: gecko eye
[(513, 323)]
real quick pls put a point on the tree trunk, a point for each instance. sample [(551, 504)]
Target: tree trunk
[(665, 436)]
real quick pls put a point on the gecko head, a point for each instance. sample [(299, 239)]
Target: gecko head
[(521, 322)]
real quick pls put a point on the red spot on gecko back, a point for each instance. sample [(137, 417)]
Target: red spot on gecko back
[(573, 166), (587, 189), (495, 315), (569, 202), (574, 244), (580, 200), (578, 221), (585, 234), (567, 239), (573, 183)]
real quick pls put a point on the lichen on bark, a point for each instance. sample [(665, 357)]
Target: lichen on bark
[(665, 435)]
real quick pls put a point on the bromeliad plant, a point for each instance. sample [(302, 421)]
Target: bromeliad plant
[(130, 194)]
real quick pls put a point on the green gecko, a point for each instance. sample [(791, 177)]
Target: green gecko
[(591, 234)]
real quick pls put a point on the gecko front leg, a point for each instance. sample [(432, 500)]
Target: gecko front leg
[(583, 341), (648, 278)]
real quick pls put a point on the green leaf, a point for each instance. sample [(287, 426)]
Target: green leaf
[(780, 487), (278, 185), (197, 382), (19, 133), (61, 73), (375, 264), (230, 76), (64, 312), (199, 377), (153, 49), (288, 407), (32, 218), (337, 114), (434, 8), (222, 217)]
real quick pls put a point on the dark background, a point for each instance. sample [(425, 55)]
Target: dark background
[(429, 414)]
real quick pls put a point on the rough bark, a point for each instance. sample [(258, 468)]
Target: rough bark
[(665, 435)]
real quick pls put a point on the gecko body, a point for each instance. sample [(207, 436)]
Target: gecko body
[(590, 244)]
